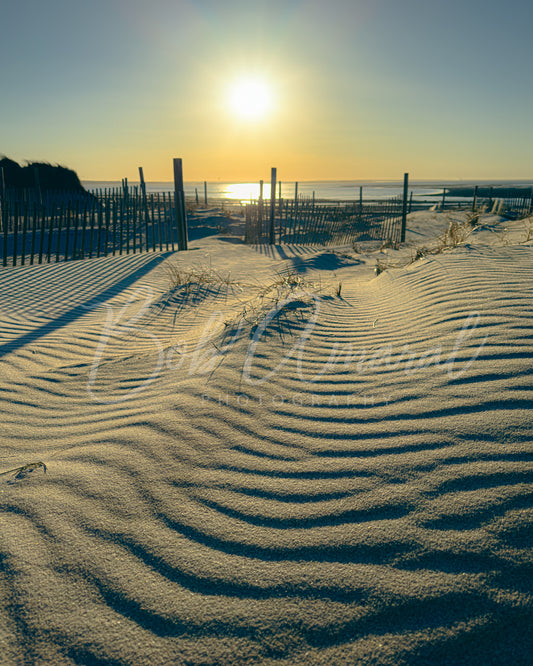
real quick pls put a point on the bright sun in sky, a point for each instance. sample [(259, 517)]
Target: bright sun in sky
[(250, 98)]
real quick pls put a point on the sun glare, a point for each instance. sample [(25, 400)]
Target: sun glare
[(250, 98), (246, 191)]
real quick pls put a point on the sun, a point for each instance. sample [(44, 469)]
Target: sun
[(250, 98)]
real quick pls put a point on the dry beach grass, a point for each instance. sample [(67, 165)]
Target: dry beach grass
[(271, 456)]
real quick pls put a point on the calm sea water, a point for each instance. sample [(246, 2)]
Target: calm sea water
[(339, 190)]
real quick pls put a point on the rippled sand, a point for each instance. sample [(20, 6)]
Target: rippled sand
[(256, 468)]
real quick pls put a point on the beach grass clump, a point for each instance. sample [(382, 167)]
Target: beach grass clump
[(193, 277), (278, 293), (456, 234), (389, 244), (528, 229), (284, 282), (22, 471), (381, 266)]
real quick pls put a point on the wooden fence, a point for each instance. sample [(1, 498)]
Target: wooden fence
[(309, 222), (54, 227), (512, 202)]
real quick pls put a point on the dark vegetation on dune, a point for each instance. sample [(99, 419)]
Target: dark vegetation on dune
[(496, 191), (48, 176)]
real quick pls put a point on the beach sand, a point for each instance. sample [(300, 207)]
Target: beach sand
[(285, 459)]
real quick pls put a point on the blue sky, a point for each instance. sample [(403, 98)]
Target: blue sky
[(360, 89)]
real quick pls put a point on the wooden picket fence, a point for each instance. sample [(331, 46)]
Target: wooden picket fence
[(64, 226), (511, 202), (309, 222)]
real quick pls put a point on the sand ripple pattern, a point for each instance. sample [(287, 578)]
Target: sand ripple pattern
[(368, 503)]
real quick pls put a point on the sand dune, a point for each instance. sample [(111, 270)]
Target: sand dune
[(256, 468)]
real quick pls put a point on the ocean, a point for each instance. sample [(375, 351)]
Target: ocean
[(337, 190)]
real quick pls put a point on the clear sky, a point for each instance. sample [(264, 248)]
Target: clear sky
[(355, 89)]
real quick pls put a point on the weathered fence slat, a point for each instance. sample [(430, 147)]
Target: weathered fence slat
[(159, 224), (58, 245), (75, 234), (153, 221), (41, 235), (49, 238), (107, 220), (99, 218), (67, 231), (24, 227), (33, 232), (15, 231), (307, 222)]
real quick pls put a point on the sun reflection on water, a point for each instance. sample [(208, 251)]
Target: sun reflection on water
[(246, 191)]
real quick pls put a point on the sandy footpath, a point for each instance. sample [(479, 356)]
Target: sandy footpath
[(271, 454)]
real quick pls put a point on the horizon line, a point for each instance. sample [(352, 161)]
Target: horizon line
[(322, 180)]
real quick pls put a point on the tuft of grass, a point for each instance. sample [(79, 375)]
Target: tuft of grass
[(192, 278), (456, 234), (283, 282), (280, 289), (287, 294), (21, 472), (388, 244), (473, 217), (380, 267), (528, 222)]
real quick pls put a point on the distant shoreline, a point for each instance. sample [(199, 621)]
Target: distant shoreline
[(339, 190)]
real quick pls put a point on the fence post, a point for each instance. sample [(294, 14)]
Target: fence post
[(143, 184), (179, 203), (443, 205), (24, 226), (273, 173), (404, 206), (280, 208), (205, 192), (2, 197), (41, 237), (4, 252), (145, 205), (474, 199), (247, 224)]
